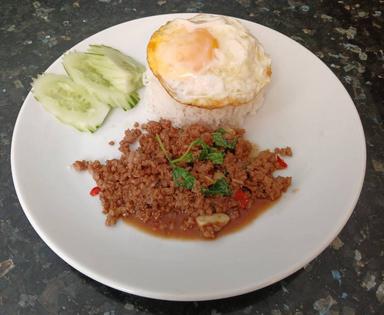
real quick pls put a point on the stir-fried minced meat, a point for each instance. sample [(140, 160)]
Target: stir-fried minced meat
[(209, 192)]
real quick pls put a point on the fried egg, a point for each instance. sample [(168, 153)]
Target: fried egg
[(208, 61)]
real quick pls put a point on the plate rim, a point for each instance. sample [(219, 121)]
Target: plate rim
[(182, 296)]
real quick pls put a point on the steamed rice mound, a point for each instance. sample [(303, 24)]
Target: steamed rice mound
[(161, 105)]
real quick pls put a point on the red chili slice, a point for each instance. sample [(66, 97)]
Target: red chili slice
[(95, 191), (242, 198), (281, 162)]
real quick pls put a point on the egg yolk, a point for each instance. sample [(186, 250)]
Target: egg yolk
[(185, 52)]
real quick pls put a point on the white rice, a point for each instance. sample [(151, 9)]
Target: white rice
[(162, 105)]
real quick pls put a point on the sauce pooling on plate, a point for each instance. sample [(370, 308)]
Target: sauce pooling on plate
[(257, 209)]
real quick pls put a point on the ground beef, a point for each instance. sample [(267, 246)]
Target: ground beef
[(284, 151), (80, 165), (140, 184)]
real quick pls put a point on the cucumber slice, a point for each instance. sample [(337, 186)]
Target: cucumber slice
[(101, 76), (128, 73), (69, 102)]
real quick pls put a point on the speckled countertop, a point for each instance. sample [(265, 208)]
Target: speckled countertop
[(346, 279)]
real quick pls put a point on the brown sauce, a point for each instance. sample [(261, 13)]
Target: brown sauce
[(247, 217)]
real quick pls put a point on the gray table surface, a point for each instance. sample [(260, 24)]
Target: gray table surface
[(346, 279)]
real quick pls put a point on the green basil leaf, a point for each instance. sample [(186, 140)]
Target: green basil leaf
[(211, 153), (183, 178), (204, 151), (216, 157), (220, 141), (220, 187)]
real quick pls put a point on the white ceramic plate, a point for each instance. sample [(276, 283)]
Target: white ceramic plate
[(306, 107)]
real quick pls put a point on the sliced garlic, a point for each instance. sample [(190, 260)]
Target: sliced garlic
[(217, 220)]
